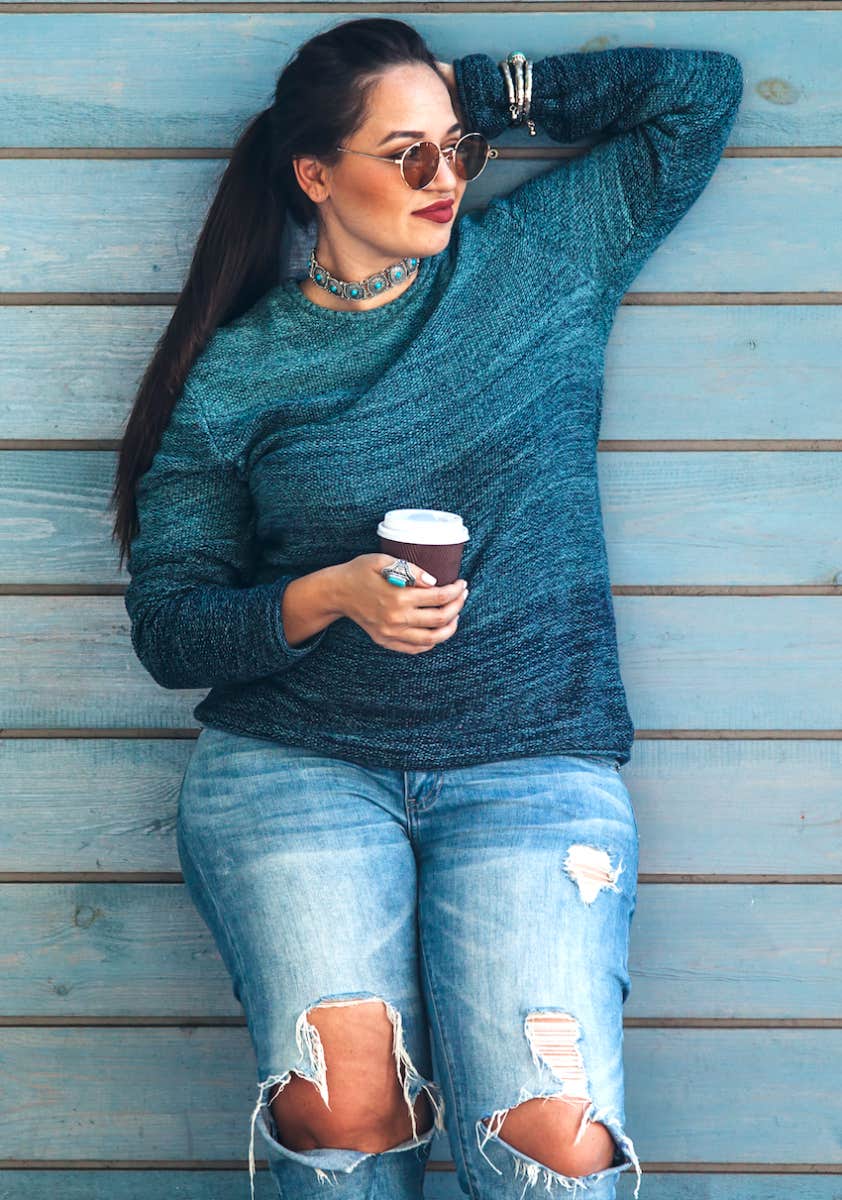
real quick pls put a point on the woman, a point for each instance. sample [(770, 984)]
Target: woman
[(409, 837)]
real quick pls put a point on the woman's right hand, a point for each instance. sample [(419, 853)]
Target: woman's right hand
[(446, 70), (412, 618)]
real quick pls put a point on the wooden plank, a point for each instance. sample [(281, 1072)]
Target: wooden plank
[(95, 949), (440, 1183), (764, 807), (100, 79), (152, 1184), (98, 225), (687, 662), (744, 371), (187, 1093), (670, 517)]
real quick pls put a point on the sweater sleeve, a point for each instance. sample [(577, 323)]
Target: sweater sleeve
[(195, 621), (666, 114)]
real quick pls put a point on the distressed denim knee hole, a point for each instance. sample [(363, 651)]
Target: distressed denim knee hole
[(326, 1161), (553, 1039)]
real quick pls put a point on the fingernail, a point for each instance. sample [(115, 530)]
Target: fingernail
[(427, 577)]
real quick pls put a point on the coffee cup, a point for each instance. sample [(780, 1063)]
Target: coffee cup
[(430, 537)]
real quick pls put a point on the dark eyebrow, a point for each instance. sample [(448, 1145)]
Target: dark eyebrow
[(416, 134)]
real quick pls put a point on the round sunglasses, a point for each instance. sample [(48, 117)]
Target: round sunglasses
[(419, 163)]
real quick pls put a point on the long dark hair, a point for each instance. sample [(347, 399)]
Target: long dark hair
[(321, 99)]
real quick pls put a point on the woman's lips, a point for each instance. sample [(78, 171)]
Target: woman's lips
[(442, 215)]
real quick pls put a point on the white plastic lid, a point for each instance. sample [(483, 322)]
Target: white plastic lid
[(423, 527)]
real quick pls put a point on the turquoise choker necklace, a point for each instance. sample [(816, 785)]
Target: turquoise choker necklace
[(361, 289)]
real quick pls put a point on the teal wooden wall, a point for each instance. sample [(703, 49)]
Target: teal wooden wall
[(125, 1064)]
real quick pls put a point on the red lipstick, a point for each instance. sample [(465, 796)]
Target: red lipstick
[(441, 211)]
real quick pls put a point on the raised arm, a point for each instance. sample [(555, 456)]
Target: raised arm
[(666, 114), (195, 622)]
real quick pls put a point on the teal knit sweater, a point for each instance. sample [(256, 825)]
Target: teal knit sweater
[(479, 391)]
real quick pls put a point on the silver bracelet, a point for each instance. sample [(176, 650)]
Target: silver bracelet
[(517, 73)]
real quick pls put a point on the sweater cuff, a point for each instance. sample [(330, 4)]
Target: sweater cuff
[(482, 94)]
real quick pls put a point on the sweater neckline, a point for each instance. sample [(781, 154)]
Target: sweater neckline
[(291, 289)]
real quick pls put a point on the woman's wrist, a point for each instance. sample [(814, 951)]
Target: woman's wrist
[(312, 602)]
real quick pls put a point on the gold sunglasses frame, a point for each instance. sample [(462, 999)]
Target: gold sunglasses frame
[(398, 159)]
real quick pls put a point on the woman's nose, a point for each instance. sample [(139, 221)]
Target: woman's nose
[(446, 162)]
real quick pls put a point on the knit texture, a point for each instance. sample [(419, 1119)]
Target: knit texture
[(478, 390)]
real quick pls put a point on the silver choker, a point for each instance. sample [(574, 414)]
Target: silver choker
[(361, 289)]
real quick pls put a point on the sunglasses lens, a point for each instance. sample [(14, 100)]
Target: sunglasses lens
[(420, 164), (471, 155), (421, 161)]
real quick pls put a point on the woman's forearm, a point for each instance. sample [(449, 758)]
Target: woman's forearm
[(577, 94), (311, 603), (665, 115)]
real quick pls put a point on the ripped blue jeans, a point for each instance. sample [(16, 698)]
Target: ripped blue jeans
[(487, 907)]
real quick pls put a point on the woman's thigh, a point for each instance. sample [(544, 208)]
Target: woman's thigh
[(527, 888), (301, 867)]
